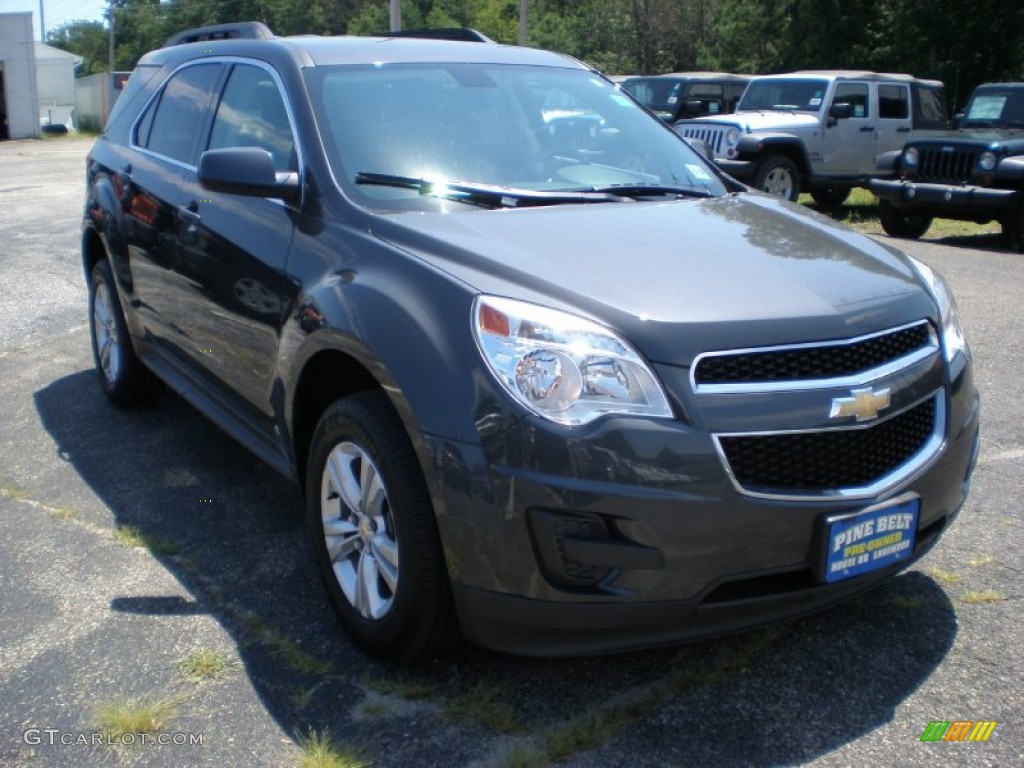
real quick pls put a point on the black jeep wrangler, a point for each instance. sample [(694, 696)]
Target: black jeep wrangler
[(973, 174)]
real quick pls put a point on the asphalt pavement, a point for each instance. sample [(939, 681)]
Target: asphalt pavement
[(133, 544)]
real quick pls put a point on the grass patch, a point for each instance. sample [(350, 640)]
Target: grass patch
[(401, 686), (320, 751), (982, 597), (948, 578), (129, 536), (980, 560), (134, 715), (297, 658), (205, 664), (13, 491), (480, 706), (371, 709), (61, 513)]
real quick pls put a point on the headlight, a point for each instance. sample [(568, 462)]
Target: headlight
[(563, 367), (987, 161), (910, 157), (953, 341), (732, 138)]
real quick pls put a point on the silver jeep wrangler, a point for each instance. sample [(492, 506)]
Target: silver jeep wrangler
[(818, 131)]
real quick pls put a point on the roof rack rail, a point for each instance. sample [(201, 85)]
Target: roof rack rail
[(464, 34), (243, 30)]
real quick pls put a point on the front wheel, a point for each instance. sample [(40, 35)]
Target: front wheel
[(899, 223), (1013, 229), (778, 175), (375, 538), (830, 198), (124, 378)]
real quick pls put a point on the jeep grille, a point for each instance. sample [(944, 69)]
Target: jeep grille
[(942, 165), (712, 135)]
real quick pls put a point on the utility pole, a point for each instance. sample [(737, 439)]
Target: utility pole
[(42, 24), (110, 44), (396, 15), (523, 12)]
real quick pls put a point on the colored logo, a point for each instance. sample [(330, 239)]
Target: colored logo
[(864, 404), (958, 730)]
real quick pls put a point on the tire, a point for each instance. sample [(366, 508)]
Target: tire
[(124, 378), (778, 175), (1013, 229), (898, 223), (830, 198), (375, 538)]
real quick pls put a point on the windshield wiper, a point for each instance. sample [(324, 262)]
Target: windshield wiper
[(488, 195), (652, 190)]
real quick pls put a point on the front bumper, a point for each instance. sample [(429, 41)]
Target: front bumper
[(945, 200), (656, 543)]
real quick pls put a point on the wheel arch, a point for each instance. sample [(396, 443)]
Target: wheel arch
[(758, 147)]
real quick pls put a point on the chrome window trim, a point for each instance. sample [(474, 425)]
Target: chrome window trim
[(852, 380), (222, 60), (909, 469)]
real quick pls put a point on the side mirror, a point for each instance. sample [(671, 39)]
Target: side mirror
[(957, 119), (840, 110), (245, 171)]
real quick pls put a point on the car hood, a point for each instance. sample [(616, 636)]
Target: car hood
[(762, 122), (976, 136), (677, 278)]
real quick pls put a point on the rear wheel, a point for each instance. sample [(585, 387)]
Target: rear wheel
[(778, 175), (901, 224), (375, 537), (124, 378)]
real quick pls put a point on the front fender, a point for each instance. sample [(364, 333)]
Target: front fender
[(1010, 169)]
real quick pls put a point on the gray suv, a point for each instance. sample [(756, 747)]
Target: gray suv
[(543, 373), (819, 131)]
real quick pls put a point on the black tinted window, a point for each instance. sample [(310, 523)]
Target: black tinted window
[(893, 102), (180, 112), (252, 114)]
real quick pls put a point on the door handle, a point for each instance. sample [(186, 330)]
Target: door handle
[(867, 128), (190, 212), (903, 130)]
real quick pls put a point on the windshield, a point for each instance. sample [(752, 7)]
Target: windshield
[(524, 129), (660, 95), (803, 95), (1003, 107)]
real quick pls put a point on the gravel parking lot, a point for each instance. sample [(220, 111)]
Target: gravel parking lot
[(148, 562)]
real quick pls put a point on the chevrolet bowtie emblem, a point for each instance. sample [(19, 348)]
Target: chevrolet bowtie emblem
[(864, 404)]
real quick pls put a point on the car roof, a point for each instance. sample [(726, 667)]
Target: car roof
[(314, 50), (854, 74), (693, 76)]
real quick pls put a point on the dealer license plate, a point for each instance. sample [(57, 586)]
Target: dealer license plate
[(871, 539)]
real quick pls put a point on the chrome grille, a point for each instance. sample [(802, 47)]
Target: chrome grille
[(713, 136), (946, 165), (825, 361), (819, 462)]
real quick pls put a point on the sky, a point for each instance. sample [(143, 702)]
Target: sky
[(56, 12)]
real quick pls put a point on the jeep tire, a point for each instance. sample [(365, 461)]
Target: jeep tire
[(778, 175), (897, 223)]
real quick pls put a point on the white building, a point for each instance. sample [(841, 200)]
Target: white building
[(19, 99), (55, 85)]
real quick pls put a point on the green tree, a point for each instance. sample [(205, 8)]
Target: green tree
[(88, 39)]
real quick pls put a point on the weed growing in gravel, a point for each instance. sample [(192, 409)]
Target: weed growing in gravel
[(134, 715), (320, 751), (204, 664)]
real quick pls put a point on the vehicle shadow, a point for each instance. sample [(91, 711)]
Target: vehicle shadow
[(231, 532)]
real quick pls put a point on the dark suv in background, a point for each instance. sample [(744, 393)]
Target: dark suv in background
[(679, 95), (973, 174), (543, 373)]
